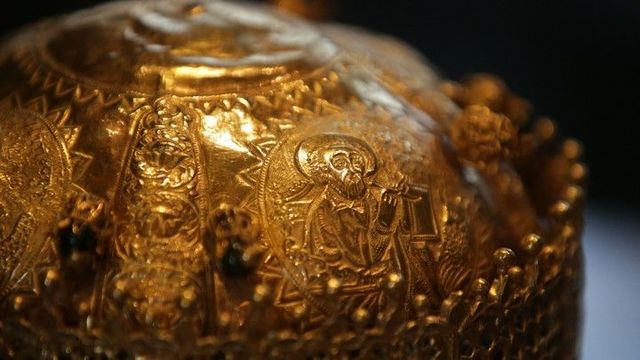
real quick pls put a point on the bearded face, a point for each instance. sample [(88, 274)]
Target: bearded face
[(345, 173)]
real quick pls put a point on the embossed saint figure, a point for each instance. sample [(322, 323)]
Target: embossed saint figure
[(354, 225)]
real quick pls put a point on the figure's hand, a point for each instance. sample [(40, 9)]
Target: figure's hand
[(388, 207), (401, 186)]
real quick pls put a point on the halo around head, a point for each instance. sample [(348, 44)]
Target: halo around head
[(309, 158)]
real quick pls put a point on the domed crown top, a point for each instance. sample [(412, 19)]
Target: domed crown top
[(183, 48)]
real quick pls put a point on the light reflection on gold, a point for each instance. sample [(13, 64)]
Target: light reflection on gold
[(204, 72), (180, 79), (198, 72), (230, 129)]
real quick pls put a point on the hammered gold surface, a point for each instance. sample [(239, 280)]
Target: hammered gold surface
[(222, 180)]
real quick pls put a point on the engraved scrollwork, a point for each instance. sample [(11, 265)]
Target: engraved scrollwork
[(160, 246), (164, 156), (33, 170)]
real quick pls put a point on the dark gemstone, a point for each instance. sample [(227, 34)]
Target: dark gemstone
[(232, 263), (498, 354), (88, 240), (122, 355), (466, 349), (70, 241)]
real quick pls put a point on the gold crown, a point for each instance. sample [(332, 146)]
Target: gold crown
[(213, 180)]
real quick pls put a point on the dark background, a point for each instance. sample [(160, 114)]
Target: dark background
[(577, 61)]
